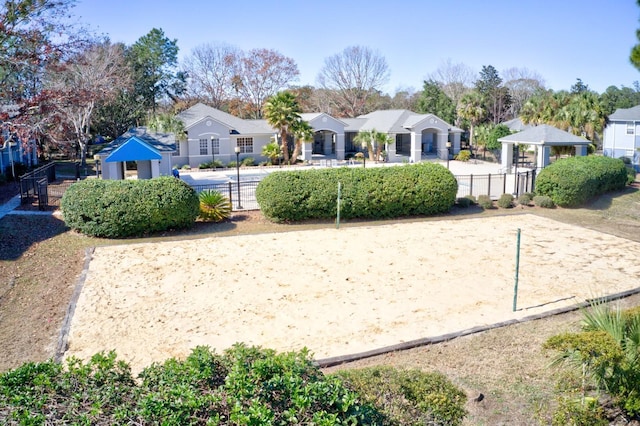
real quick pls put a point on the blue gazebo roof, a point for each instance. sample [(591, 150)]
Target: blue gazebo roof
[(134, 149)]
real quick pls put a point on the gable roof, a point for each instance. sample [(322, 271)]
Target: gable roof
[(310, 116), (626, 114), (200, 111), (161, 142), (134, 149), (387, 121), (516, 125), (545, 135), (391, 121)]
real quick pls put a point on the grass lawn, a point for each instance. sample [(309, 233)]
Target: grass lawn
[(40, 261)]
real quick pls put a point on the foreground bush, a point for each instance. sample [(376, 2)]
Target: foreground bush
[(606, 353), (409, 397), (243, 386), (125, 208), (375, 193), (572, 181)]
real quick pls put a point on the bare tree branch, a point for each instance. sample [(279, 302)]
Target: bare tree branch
[(351, 77)]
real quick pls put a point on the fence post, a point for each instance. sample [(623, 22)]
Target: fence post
[(533, 180), (43, 193), (504, 183), (471, 184), (489, 186), (229, 187)]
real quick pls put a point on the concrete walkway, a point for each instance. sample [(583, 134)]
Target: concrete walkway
[(10, 206)]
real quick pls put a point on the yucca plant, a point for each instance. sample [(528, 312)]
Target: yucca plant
[(214, 207)]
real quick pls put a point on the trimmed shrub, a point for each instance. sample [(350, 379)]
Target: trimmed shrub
[(505, 201), (485, 202), (631, 175), (232, 164), (543, 201), (471, 198), (214, 206), (125, 208), (186, 167), (214, 164), (463, 155), (248, 162), (572, 181), (525, 199), (408, 397), (376, 193), (463, 202)]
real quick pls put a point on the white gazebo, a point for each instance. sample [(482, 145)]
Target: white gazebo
[(542, 137)]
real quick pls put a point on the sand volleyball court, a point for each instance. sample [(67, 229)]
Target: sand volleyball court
[(338, 291)]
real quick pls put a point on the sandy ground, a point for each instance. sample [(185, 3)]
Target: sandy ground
[(339, 291)]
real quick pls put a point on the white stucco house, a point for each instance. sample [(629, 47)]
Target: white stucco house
[(212, 134), (622, 135)]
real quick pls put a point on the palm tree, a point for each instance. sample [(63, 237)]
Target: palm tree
[(381, 139), (586, 115), (282, 111), (214, 206), (272, 151), (366, 139), (470, 109), (579, 113), (168, 123), (303, 133)]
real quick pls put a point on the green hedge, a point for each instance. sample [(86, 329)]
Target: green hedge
[(572, 181), (374, 193), (125, 208), (399, 392), (243, 386)]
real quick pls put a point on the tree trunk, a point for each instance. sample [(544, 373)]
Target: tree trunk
[(473, 149), (296, 151), (284, 146)]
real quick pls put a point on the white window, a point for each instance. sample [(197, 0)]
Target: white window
[(204, 146), (215, 145), (630, 128), (245, 145)]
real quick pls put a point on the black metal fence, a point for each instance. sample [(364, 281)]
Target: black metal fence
[(243, 194), (34, 185), (494, 185)]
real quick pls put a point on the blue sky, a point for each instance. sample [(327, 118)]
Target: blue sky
[(562, 40)]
